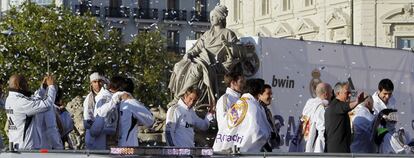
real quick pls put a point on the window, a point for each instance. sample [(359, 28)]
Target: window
[(173, 4), (43, 2), (173, 38), (405, 42), (114, 3), (237, 10), (309, 3), (143, 4), (265, 7), (287, 4)]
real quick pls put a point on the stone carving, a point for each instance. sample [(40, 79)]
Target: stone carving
[(77, 136), (213, 55)]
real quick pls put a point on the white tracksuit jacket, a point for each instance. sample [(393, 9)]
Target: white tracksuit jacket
[(132, 114), (180, 123), (94, 137), (21, 111), (316, 138)]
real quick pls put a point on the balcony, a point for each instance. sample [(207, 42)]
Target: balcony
[(84, 9), (117, 12), (175, 15), (146, 13), (197, 16)]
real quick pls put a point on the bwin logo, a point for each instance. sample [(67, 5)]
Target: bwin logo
[(283, 83)]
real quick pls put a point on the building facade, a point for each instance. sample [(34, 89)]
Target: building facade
[(381, 23), (179, 20)]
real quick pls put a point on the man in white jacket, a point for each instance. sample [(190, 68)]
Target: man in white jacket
[(97, 124), (89, 111), (383, 98), (181, 119), (21, 109), (309, 110), (235, 82), (362, 128), (132, 114), (316, 138), (248, 127)]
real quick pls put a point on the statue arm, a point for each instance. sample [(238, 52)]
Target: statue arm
[(196, 49)]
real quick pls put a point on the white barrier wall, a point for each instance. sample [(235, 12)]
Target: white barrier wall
[(287, 66)]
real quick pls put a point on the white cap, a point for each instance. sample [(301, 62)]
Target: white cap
[(96, 76)]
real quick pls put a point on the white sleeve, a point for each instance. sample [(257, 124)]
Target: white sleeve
[(143, 115), (220, 113), (397, 146), (320, 127), (33, 106), (106, 107), (201, 124), (86, 114), (170, 127)]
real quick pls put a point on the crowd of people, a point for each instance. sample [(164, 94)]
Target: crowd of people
[(330, 122), (334, 124), (40, 121)]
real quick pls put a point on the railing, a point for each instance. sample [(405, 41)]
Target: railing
[(175, 14), (162, 151), (176, 49), (145, 13), (117, 12), (197, 16), (83, 9)]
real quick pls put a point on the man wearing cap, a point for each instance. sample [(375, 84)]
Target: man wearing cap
[(97, 82), (101, 119)]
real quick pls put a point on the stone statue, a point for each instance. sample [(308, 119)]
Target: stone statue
[(77, 136), (213, 55)]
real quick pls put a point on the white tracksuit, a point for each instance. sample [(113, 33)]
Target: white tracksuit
[(47, 127), (316, 139), (223, 104), (94, 138), (180, 123), (132, 114), (21, 111)]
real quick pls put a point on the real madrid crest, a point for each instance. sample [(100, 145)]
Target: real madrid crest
[(237, 113)]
